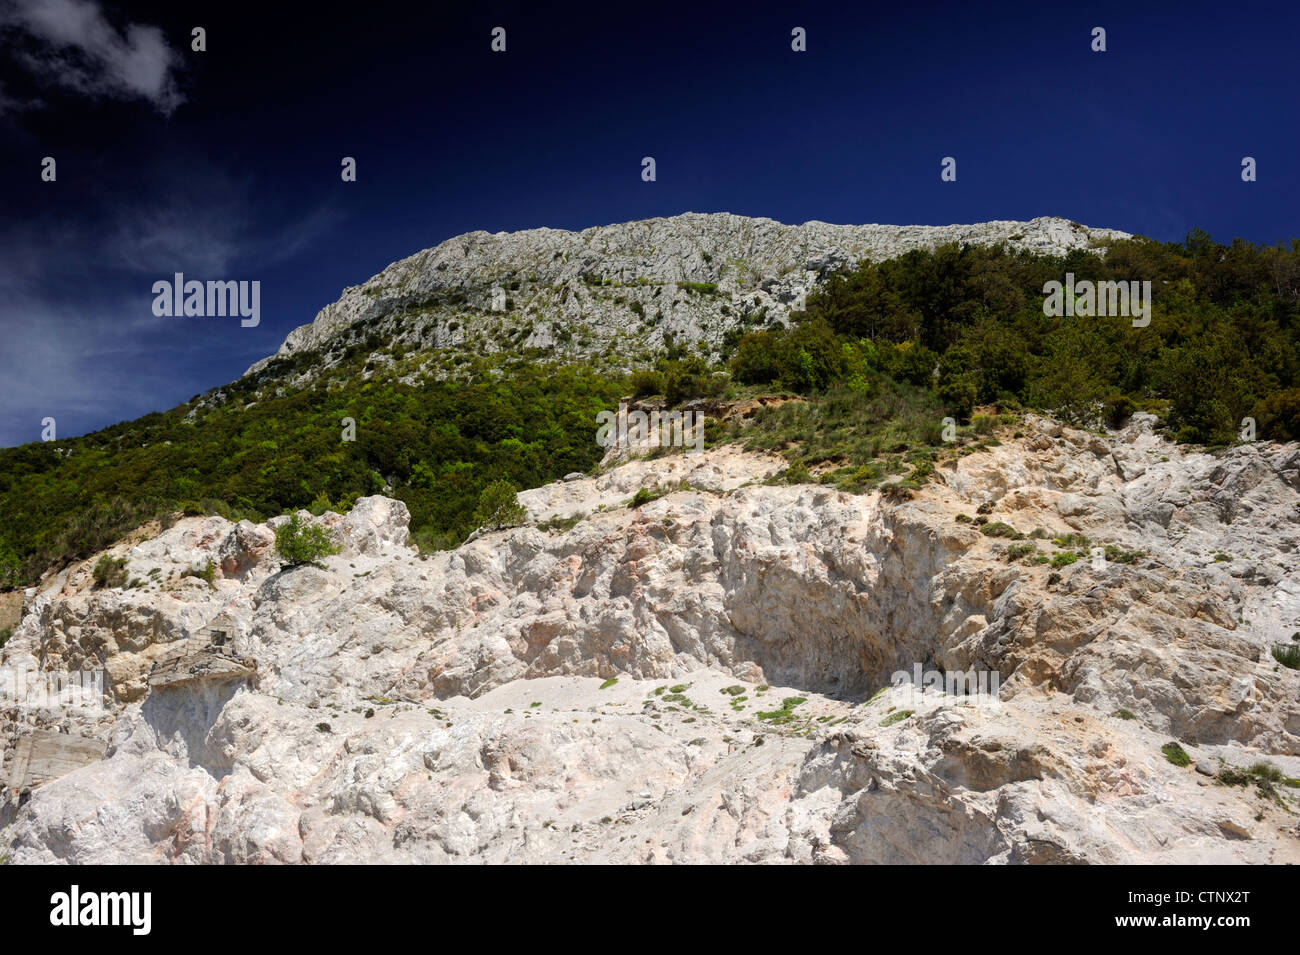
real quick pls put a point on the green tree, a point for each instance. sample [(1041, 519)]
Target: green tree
[(498, 506), (10, 566), (805, 358), (814, 357), (959, 392), (646, 382), (910, 362), (688, 378), (758, 358), (1279, 415), (299, 543)]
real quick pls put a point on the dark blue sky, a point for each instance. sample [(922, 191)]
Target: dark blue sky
[(225, 164)]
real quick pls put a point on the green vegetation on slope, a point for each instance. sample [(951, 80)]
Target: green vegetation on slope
[(438, 444), (967, 323), (882, 353)]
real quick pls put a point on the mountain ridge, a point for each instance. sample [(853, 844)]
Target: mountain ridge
[(580, 293)]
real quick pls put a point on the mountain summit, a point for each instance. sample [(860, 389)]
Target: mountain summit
[(628, 289)]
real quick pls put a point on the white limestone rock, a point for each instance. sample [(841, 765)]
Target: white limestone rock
[(459, 706)]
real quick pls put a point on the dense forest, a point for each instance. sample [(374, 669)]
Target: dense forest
[(434, 445), (969, 323), (882, 351)]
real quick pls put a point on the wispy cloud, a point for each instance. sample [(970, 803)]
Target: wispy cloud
[(204, 224), (69, 362), (72, 44), (206, 220), (81, 339)]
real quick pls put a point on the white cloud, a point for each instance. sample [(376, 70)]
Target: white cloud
[(76, 47), (71, 363), (181, 230), (80, 336)]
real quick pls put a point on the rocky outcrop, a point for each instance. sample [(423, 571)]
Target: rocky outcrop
[(626, 289), (707, 677)]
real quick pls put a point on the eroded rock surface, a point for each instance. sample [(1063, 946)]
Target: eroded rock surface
[(706, 677)]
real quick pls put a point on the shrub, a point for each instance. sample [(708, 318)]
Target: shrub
[(212, 459), (999, 529), (430, 542), (98, 527), (806, 358), (110, 571), (299, 543), (1117, 556), (1176, 754), (1116, 409), (1279, 415), (910, 362), (10, 567), (813, 358), (785, 714), (645, 495), (758, 359), (498, 506), (1287, 655), (1017, 551), (558, 523), (1264, 775), (959, 393), (647, 382), (796, 473)]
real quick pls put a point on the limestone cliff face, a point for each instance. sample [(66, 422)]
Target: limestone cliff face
[(460, 707), (614, 290)]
